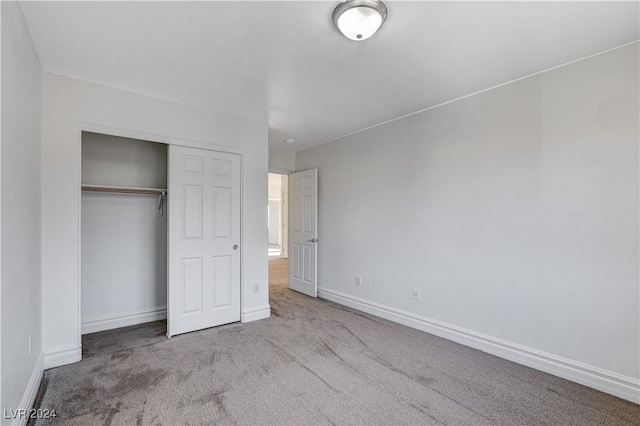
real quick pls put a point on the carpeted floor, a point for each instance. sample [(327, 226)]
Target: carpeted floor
[(312, 362)]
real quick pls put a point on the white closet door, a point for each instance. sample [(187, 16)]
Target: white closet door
[(204, 239)]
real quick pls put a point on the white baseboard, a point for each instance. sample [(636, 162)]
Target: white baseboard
[(109, 322), (255, 314), (30, 393), (62, 355), (606, 381)]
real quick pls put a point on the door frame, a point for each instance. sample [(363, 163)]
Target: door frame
[(163, 139), (284, 231)]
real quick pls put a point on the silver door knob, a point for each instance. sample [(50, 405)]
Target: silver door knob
[(235, 247), (313, 240)]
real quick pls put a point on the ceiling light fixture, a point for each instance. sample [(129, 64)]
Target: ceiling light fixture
[(359, 19), (289, 141)]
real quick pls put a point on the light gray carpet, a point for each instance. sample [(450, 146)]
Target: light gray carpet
[(313, 362)]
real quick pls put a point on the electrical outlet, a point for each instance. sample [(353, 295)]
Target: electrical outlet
[(29, 345), (358, 280), (256, 287), (416, 294)]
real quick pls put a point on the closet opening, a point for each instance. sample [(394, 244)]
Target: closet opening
[(123, 232)]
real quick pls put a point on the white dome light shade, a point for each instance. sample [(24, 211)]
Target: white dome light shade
[(359, 19), (359, 23)]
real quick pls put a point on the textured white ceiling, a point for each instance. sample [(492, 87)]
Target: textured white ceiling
[(285, 63)]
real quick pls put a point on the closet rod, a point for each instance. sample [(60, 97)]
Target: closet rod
[(124, 190)]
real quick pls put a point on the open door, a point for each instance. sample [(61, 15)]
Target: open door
[(204, 238), (303, 232)]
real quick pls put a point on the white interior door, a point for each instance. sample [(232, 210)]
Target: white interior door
[(303, 232), (204, 239)]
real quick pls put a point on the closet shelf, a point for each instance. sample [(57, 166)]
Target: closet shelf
[(124, 190)]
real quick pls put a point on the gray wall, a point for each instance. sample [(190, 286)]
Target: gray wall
[(281, 161), (20, 211), (514, 212), (116, 161)]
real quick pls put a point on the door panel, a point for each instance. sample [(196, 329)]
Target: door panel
[(204, 228), (192, 285), (222, 275), (192, 211), (222, 212), (303, 219)]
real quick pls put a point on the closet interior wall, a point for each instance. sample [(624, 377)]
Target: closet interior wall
[(124, 236)]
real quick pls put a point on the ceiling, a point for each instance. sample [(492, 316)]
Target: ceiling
[(283, 62)]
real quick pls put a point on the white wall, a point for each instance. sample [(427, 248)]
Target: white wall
[(20, 213), (124, 243), (281, 161), (70, 104), (514, 212)]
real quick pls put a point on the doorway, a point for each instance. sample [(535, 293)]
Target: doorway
[(278, 218), (278, 215)]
